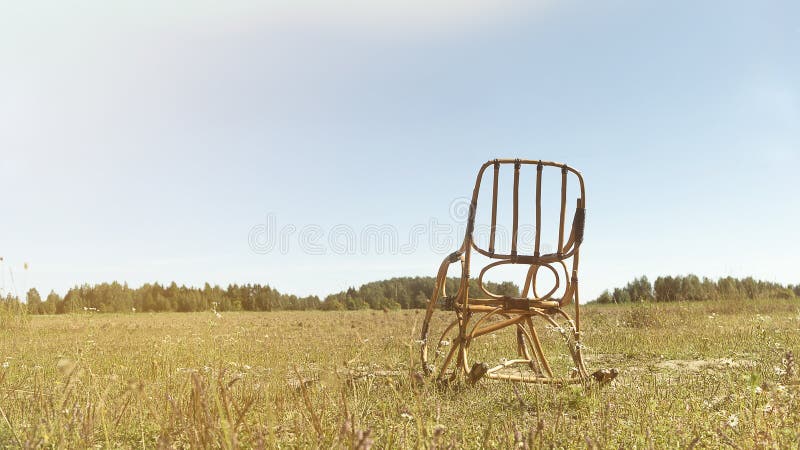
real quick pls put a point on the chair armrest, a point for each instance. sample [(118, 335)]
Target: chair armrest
[(579, 223), (576, 233), (441, 276)]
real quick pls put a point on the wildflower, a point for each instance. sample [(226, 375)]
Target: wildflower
[(406, 416), (5, 364), (733, 421)]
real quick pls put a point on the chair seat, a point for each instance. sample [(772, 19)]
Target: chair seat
[(513, 303)]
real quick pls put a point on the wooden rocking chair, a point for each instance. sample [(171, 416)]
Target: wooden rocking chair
[(445, 354)]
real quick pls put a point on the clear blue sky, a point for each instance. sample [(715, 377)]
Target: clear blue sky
[(142, 141)]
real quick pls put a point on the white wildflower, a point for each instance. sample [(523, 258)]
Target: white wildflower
[(733, 421)]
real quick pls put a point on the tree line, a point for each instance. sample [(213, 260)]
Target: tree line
[(116, 297), (403, 293), (693, 288), (395, 293)]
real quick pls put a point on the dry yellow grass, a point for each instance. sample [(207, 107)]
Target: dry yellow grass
[(703, 375)]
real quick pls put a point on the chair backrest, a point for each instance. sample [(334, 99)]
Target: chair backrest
[(571, 216)]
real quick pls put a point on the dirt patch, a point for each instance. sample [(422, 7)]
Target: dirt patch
[(700, 365)]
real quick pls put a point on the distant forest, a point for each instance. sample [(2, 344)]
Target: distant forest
[(395, 293), (693, 288)]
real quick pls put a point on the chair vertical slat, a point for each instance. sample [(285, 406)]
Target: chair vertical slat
[(563, 209), (539, 168), (515, 226), (494, 207)]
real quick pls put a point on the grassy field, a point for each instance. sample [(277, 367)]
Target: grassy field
[(704, 375)]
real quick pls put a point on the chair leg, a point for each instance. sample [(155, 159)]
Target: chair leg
[(454, 351), (523, 341), (572, 339), (578, 355), (434, 344), (463, 345)]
